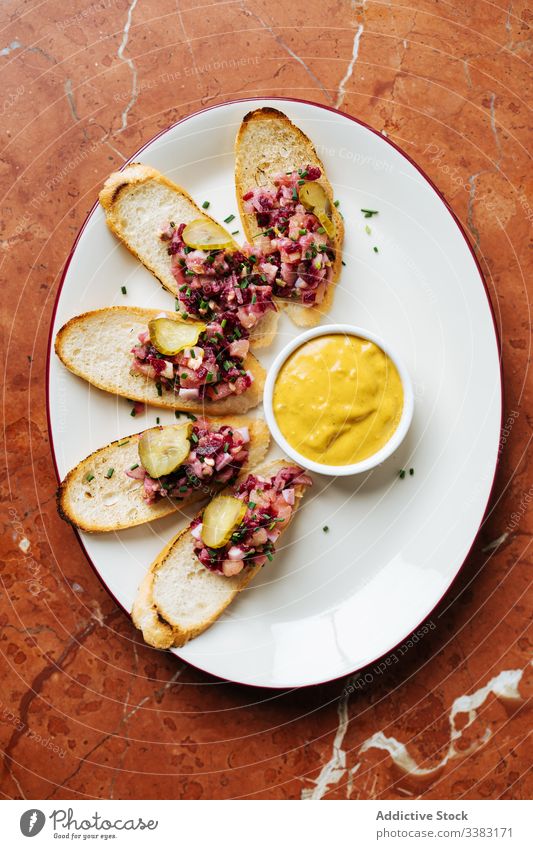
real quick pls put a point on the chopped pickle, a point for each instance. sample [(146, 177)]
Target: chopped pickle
[(206, 235), (163, 450), (170, 336), (221, 517), (313, 196)]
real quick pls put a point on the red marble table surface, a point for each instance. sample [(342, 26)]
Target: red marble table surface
[(88, 711)]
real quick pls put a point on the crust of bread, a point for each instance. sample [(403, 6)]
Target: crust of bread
[(156, 632), (261, 152), (153, 614), (129, 199), (111, 504), (97, 347)]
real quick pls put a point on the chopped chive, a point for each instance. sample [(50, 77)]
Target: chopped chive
[(193, 355), (326, 529), (159, 389), (89, 477), (269, 555), (367, 229), (294, 194), (321, 230), (183, 488), (109, 473), (157, 419), (303, 231), (336, 202), (205, 204), (368, 213), (135, 466), (124, 442), (254, 298), (342, 261), (177, 305), (411, 472), (225, 447), (191, 416), (133, 413), (123, 290), (229, 219), (184, 288), (194, 437), (209, 377), (251, 505), (401, 474), (375, 250), (235, 232)]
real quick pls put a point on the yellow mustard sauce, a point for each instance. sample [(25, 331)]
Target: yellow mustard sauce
[(338, 399)]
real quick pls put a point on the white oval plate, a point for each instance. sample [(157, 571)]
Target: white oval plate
[(330, 602)]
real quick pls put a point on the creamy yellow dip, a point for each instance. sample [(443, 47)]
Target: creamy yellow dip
[(338, 399)]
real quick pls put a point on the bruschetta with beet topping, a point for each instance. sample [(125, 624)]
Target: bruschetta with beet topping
[(204, 567), (294, 229), (160, 359), (151, 474), (190, 253)]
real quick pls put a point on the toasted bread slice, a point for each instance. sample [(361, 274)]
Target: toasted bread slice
[(97, 346), (180, 598), (105, 503), (138, 202), (267, 144)]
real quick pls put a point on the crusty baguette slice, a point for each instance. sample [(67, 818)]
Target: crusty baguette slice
[(113, 503), (97, 346), (179, 598), (267, 144), (138, 202)]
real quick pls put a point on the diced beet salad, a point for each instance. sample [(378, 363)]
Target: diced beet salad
[(270, 503), (212, 369), (218, 283), (294, 251), (217, 456)]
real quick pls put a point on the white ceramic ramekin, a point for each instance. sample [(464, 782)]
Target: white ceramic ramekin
[(374, 459)]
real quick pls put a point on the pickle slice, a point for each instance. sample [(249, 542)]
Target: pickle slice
[(313, 196), (170, 336), (325, 221), (206, 235), (162, 451), (221, 517)]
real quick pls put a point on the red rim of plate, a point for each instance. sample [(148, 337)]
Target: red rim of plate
[(259, 100)]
